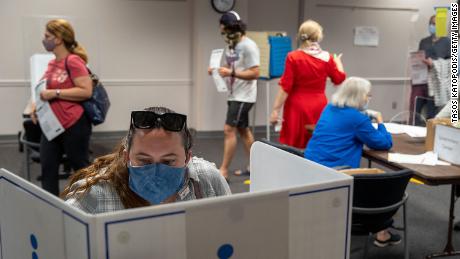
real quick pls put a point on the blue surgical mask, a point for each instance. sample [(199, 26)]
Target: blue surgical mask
[(155, 182), (432, 29)]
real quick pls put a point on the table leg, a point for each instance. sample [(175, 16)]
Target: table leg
[(449, 249)]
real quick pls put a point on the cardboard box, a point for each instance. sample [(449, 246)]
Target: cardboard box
[(430, 131), (447, 143)]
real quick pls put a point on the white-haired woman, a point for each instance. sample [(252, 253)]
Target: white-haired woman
[(345, 126), (342, 130), (303, 84)]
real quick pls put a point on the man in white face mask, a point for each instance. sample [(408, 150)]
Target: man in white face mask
[(435, 48)]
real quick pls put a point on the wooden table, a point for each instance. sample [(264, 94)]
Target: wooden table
[(431, 175)]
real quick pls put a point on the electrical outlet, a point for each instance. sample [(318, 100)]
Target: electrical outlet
[(394, 105)]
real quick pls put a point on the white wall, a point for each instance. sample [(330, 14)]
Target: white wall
[(140, 49), (157, 52)]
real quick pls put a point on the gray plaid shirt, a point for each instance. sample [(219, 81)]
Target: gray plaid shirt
[(102, 197)]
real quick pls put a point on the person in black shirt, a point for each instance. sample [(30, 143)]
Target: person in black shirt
[(435, 48)]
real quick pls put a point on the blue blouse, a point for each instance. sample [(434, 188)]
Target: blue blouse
[(339, 136)]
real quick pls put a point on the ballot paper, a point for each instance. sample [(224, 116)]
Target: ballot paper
[(419, 70), (412, 131), (214, 64), (428, 158), (50, 125)]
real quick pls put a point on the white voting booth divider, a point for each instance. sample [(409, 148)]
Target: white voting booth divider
[(320, 201), (295, 209)]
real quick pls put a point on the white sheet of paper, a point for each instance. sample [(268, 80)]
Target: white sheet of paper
[(412, 131), (220, 83), (428, 158), (214, 64), (216, 57), (50, 125), (366, 36), (419, 70)]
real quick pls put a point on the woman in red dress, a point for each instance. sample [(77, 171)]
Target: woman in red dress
[(303, 84)]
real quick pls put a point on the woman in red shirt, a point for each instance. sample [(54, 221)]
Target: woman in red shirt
[(65, 93), (303, 84)]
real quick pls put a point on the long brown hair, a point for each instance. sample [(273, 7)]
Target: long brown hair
[(116, 170), (62, 29)]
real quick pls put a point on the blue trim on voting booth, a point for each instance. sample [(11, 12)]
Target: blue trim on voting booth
[(52, 205), (107, 255), (348, 206)]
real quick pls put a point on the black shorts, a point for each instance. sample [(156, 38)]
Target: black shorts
[(238, 114)]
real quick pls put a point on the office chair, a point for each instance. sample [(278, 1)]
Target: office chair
[(376, 199), (29, 143)]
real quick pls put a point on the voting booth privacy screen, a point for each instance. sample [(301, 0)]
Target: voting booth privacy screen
[(295, 209)]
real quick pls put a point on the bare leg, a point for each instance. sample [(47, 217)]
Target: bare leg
[(229, 148), (248, 139)]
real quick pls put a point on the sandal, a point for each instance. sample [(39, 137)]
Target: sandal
[(242, 172), (394, 239)]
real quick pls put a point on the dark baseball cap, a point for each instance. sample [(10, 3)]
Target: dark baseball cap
[(229, 18)]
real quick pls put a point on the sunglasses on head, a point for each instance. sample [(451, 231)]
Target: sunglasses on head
[(150, 119)]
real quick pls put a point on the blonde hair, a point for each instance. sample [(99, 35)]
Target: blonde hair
[(309, 32), (352, 93), (62, 29)]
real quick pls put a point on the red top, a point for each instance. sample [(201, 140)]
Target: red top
[(67, 112), (304, 80)]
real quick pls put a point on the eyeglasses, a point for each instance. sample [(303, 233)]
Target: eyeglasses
[(148, 120)]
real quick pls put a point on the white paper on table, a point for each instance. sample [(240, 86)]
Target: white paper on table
[(50, 125), (428, 158), (412, 131), (214, 64), (419, 70)]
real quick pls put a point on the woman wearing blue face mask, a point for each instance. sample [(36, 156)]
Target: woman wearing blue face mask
[(345, 126), (153, 165)]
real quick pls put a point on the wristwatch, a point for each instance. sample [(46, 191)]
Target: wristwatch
[(58, 93)]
